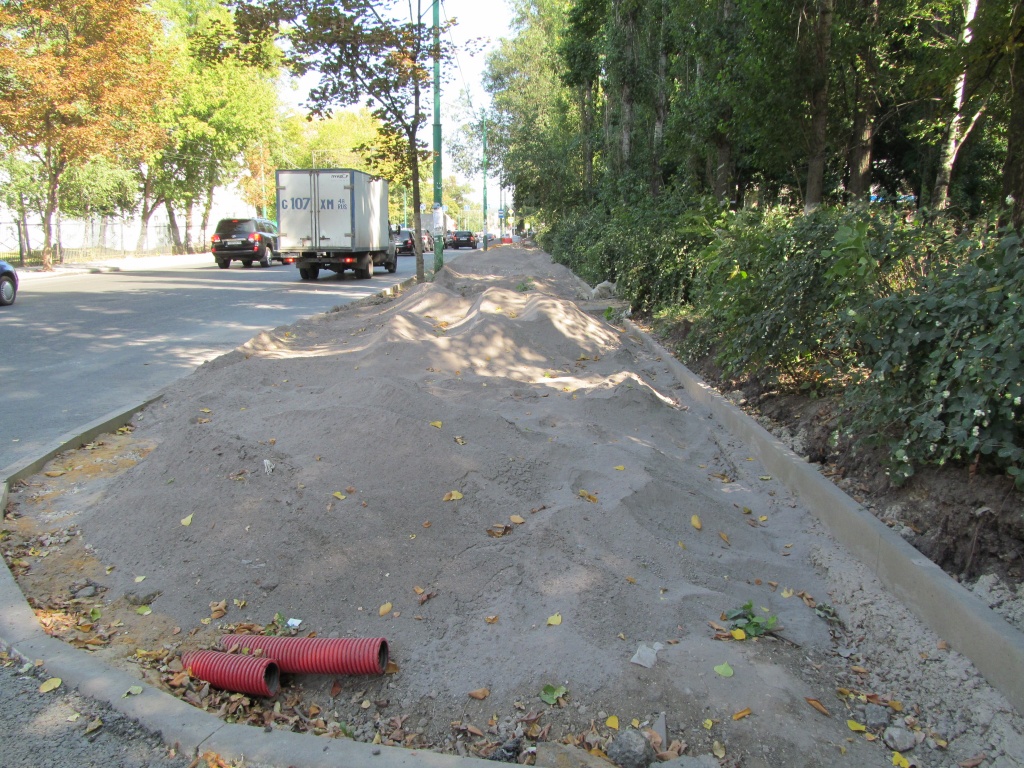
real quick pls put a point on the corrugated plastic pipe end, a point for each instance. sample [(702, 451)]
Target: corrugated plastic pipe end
[(256, 676)]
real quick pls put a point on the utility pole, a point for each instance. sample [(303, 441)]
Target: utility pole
[(438, 213), (484, 119)]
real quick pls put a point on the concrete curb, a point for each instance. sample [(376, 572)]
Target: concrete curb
[(956, 615)]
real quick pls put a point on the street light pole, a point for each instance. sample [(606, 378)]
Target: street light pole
[(438, 217), (484, 118)]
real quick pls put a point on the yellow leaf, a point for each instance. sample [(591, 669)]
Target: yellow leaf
[(707, 724), (631, 580), (695, 522), (139, 579), (763, 518), (391, 668), (635, 723), (741, 714), (186, 521), (95, 725), (480, 693), (853, 725), (339, 495), (738, 634), (516, 519), (895, 706), (50, 685), (436, 424), (612, 722), (591, 497), (385, 609), (418, 590), (620, 468), (555, 620), (207, 620), (787, 592), (681, 545), (54, 473), (900, 761), (724, 537), (452, 496), (718, 750), (491, 619), (202, 421)]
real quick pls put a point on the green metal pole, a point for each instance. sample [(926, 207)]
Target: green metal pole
[(485, 181), (405, 206), (439, 236)]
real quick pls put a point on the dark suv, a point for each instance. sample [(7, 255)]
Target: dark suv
[(244, 240), (462, 239)]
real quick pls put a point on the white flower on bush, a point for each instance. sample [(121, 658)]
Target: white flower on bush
[(945, 394), (978, 414), (976, 431), (1016, 400)]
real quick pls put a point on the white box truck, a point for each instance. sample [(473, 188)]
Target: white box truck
[(336, 219)]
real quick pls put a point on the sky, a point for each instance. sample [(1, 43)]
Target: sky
[(480, 23)]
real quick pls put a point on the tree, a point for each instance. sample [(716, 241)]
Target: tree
[(362, 56), (24, 192), (79, 78)]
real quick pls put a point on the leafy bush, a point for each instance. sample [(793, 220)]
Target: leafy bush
[(946, 369)]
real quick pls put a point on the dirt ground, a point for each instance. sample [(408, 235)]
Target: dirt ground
[(515, 494)]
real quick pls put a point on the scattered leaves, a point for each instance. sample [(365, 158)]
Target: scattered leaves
[(591, 497), (135, 690), (856, 727), (339, 495), (436, 424), (724, 537), (491, 619), (550, 694), (612, 722), (718, 750), (620, 468), (498, 530), (741, 714), (517, 519)]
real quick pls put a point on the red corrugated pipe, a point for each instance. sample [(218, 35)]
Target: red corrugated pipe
[(317, 655), (257, 676)]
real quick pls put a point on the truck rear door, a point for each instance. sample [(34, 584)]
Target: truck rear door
[(295, 211), (335, 214)]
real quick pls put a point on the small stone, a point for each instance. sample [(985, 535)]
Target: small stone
[(899, 739), (375, 751), (89, 591), (876, 716), (630, 749)]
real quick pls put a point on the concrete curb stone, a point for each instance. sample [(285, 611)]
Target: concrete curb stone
[(956, 615)]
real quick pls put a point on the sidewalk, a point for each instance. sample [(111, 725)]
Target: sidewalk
[(129, 264)]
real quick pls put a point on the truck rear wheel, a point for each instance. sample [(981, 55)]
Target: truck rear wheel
[(365, 273), (309, 273)]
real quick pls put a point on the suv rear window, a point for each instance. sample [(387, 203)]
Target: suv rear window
[(235, 226), (463, 234)]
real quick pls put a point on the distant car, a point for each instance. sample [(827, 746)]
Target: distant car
[(462, 239), (8, 284), (245, 240), (405, 241)]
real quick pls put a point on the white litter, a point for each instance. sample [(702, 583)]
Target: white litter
[(294, 623), (268, 466), (646, 656)]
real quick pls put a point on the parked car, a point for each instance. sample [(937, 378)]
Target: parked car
[(8, 284), (245, 240), (462, 239)]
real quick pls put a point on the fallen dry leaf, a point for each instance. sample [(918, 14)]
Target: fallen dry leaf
[(452, 496), (724, 537), (491, 619), (436, 424), (418, 590), (480, 693), (50, 685), (612, 722), (695, 522), (591, 497), (187, 520), (554, 620), (499, 530), (517, 519), (818, 706), (741, 714), (385, 609)]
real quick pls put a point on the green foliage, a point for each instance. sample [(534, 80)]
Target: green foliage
[(552, 693), (946, 367), (751, 623)]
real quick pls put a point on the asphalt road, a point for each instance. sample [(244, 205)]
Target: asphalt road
[(77, 346)]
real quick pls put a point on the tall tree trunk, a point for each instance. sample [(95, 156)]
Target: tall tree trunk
[(1013, 168), (207, 207), (172, 224), (24, 246), (956, 132), (723, 169), (150, 202), (819, 107), (587, 126), (860, 153), (187, 242), (660, 104)]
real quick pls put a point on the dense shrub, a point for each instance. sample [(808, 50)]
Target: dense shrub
[(946, 374), (918, 324)]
